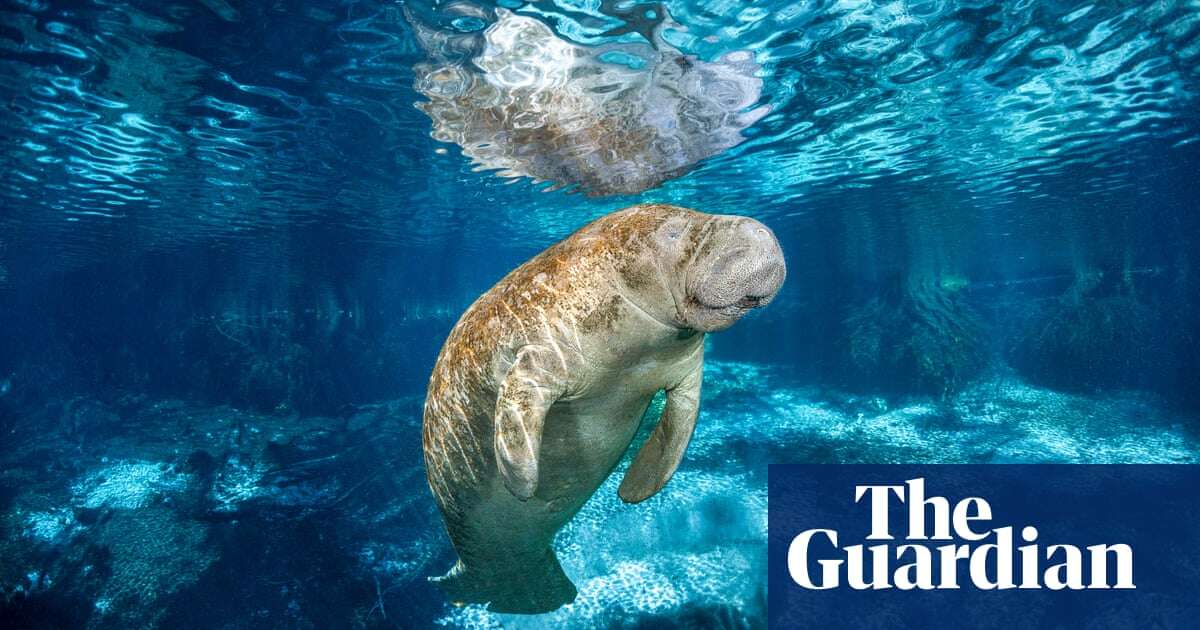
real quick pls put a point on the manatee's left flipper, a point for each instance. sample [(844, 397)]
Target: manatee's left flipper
[(536, 379), (662, 452)]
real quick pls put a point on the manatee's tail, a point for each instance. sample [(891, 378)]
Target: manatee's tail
[(525, 585)]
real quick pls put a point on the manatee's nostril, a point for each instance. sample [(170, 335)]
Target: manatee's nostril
[(757, 232)]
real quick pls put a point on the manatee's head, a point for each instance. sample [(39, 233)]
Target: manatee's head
[(710, 269)]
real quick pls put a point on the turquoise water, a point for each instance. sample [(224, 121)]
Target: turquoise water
[(233, 237)]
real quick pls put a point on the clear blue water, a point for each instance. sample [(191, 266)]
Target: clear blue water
[(234, 235)]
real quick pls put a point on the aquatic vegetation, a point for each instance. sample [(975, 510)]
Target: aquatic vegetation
[(612, 119), (1098, 334), (918, 335), (263, 364), (1184, 323)]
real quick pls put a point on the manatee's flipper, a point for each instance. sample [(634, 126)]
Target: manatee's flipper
[(524, 585), (536, 379), (658, 457)]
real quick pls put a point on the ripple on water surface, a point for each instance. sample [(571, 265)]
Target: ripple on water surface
[(158, 126)]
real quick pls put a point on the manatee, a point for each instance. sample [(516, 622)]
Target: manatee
[(541, 385)]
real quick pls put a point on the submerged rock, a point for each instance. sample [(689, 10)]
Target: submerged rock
[(614, 119)]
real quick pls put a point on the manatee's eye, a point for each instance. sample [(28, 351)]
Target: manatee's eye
[(673, 230)]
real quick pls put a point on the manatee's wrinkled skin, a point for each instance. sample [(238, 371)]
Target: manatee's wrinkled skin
[(541, 385), (523, 102)]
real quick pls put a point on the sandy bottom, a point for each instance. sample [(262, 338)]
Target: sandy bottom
[(129, 514)]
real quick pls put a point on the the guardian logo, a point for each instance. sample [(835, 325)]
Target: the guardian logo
[(989, 558)]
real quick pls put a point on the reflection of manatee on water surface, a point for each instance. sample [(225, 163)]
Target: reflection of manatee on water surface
[(617, 118), (541, 386)]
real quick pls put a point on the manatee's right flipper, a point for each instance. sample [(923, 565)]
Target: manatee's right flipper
[(526, 585), (536, 379), (660, 455)]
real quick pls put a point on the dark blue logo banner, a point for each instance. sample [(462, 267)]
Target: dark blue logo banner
[(984, 546)]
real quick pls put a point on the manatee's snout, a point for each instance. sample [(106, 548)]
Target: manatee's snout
[(742, 271), (765, 269)]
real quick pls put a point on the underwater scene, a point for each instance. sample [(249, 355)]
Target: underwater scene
[(234, 237)]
